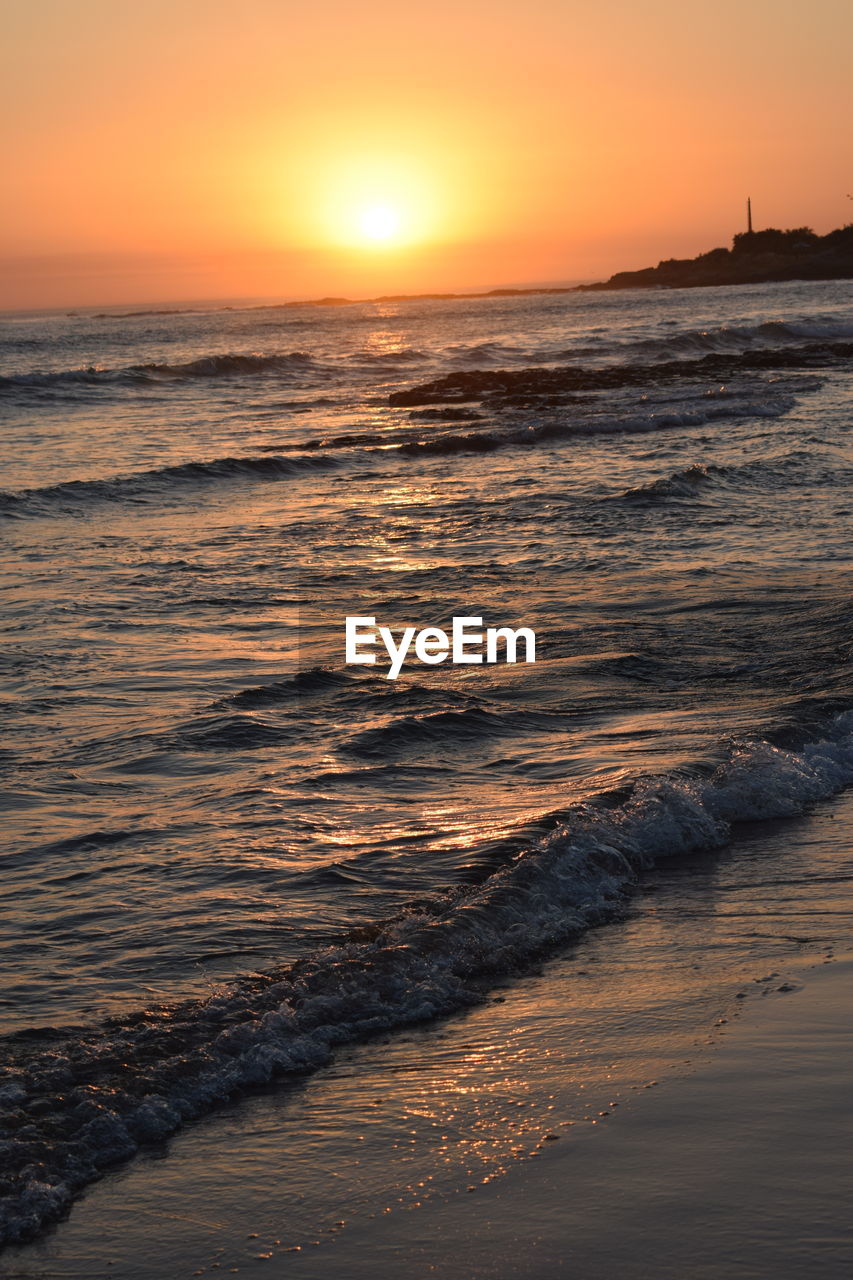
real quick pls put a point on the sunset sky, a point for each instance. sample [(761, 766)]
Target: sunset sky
[(196, 149)]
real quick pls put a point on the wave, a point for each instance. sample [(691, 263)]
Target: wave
[(316, 680), (777, 339), (487, 352), (405, 355), (229, 364), (79, 1102), (685, 483), (365, 694), (446, 729), (724, 356), (226, 733), (685, 415), (143, 486), (445, 414), (316, 455), (740, 338), (694, 480)]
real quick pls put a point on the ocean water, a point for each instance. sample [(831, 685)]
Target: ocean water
[(227, 853)]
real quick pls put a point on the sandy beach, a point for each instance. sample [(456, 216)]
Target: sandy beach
[(740, 1170)]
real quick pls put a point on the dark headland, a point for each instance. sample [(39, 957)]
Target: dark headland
[(756, 257)]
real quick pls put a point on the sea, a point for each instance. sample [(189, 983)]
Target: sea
[(238, 871)]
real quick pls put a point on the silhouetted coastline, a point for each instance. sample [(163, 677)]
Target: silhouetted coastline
[(756, 257)]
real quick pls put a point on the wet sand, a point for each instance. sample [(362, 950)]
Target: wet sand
[(739, 1171)]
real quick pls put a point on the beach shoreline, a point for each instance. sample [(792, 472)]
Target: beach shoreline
[(741, 1165), (433, 1151)]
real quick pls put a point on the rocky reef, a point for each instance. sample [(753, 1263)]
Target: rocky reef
[(553, 387)]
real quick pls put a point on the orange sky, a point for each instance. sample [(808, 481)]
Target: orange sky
[(207, 149)]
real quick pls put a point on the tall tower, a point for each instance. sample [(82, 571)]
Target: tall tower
[(748, 216)]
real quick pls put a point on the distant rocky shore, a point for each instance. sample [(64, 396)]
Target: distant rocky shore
[(756, 257)]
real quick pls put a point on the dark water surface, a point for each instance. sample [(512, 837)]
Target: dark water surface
[(199, 794)]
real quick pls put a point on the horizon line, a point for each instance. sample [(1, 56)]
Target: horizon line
[(183, 307)]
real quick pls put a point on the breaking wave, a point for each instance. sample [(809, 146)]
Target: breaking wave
[(75, 1103), (212, 366)]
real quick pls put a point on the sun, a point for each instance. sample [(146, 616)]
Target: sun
[(379, 223), (373, 205)]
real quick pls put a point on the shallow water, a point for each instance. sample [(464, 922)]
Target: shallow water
[(199, 793)]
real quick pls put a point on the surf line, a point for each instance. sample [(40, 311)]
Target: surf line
[(467, 643)]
